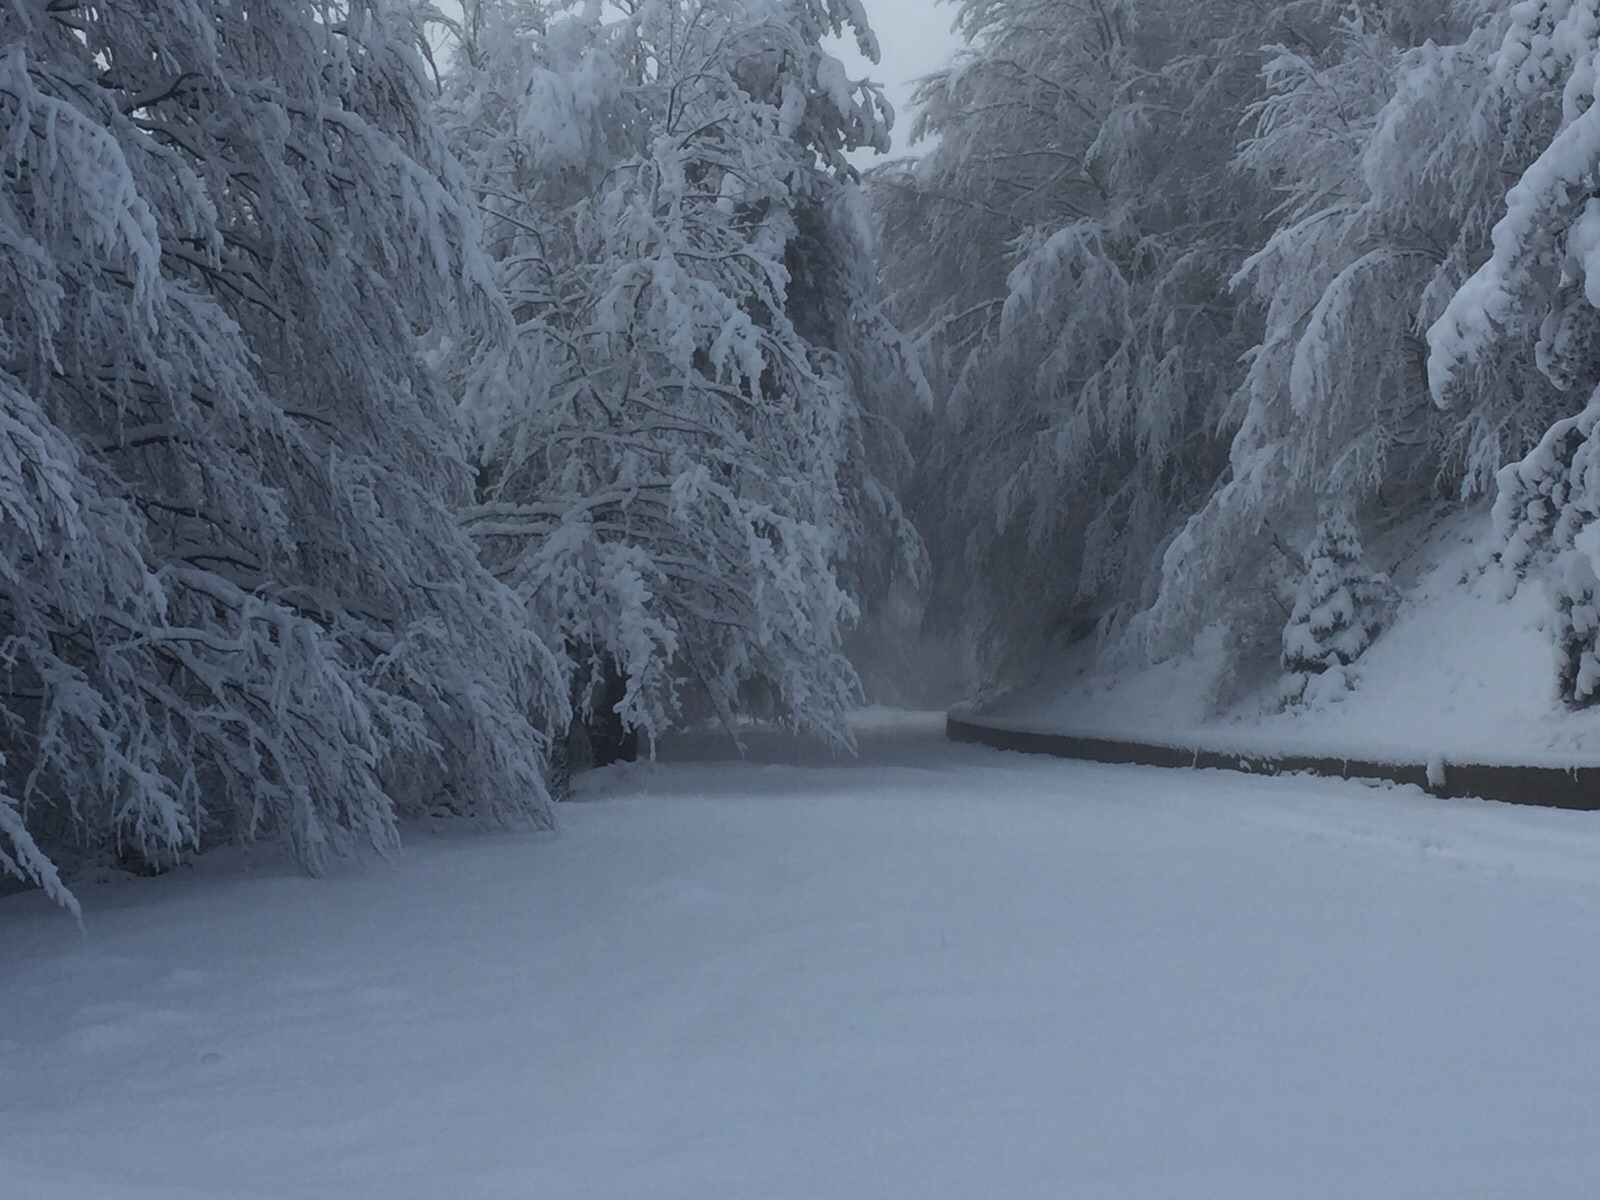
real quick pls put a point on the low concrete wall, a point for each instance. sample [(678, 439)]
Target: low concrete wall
[(1576, 788)]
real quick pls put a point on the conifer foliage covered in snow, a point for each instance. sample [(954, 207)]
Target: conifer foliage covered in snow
[(1538, 290), (1548, 512), (1338, 611)]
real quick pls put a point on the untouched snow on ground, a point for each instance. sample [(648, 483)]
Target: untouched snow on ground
[(937, 972), (1465, 671)]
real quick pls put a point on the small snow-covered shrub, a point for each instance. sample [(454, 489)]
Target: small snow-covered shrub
[(1341, 607)]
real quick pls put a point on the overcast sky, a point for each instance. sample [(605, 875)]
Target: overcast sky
[(916, 38)]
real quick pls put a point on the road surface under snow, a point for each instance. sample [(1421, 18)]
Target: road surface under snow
[(935, 972)]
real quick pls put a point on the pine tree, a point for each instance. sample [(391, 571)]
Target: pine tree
[(1538, 292), (1548, 515), (1341, 606)]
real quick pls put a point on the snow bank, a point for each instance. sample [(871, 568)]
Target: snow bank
[(1465, 671)]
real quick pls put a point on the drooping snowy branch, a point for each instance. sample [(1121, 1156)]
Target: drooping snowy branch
[(236, 599), (681, 471)]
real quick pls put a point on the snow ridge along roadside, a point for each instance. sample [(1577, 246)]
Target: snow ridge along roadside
[(1575, 787)]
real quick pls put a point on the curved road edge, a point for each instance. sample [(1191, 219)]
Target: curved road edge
[(1576, 788)]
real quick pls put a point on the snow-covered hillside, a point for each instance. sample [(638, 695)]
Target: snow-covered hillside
[(939, 972), (1465, 670)]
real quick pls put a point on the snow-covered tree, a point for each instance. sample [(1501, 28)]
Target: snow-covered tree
[(679, 473), (235, 598), (1341, 605), (1172, 272), (1549, 229), (1548, 513), (1065, 251), (1388, 162), (1537, 293)]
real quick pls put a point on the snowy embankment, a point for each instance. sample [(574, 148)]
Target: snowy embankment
[(1464, 672), (938, 972)]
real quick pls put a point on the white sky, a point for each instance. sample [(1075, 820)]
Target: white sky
[(916, 38)]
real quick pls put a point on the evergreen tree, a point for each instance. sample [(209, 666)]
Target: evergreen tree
[(1538, 292), (1548, 513), (1339, 609)]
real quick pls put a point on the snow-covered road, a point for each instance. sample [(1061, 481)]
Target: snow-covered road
[(938, 972)]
